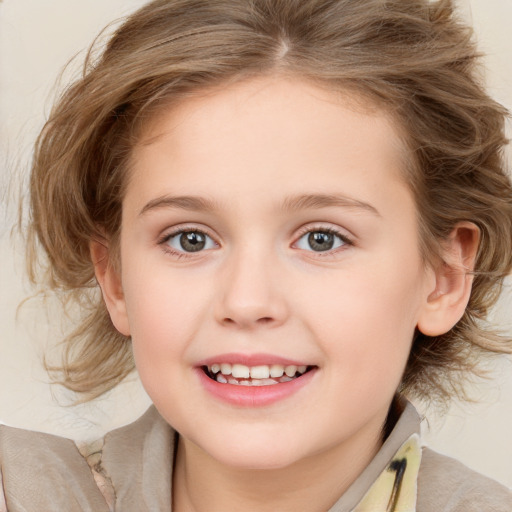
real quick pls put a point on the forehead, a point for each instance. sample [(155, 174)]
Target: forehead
[(269, 134)]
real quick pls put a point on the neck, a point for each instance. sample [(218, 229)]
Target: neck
[(202, 483)]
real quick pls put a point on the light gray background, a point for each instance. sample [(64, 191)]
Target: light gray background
[(36, 40)]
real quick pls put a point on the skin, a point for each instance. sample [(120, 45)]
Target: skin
[(259, 287)]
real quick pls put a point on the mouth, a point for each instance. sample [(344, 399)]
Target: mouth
[(261, 375)]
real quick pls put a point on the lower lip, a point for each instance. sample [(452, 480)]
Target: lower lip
[(254, 396)]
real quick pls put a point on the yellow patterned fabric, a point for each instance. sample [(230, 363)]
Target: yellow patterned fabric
[(395, 490)]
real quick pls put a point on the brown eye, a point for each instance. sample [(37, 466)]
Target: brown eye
[(190, 241), (320, 240)]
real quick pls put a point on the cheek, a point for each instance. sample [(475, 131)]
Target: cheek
[(163, 317), (161, 325), (366, 319)]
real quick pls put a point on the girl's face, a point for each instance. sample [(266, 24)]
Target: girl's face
[(267, 229)]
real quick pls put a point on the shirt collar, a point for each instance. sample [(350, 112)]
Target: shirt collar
[(388, 484), (138, 458)]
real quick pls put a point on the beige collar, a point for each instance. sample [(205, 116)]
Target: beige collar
[(138, 459)]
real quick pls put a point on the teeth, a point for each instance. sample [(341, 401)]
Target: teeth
[(276, 370), (260, 372), (290, 371), (240, 371), (225, 368), (263, 382), (255, 382), (262, 375)]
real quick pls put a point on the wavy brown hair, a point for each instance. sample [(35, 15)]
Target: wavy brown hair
[(412, 58)]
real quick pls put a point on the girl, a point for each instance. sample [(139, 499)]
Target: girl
[(298, 215)]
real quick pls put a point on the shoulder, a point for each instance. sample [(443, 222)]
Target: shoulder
[(131, 466), (446, 485), (18, 445), (3, 504), (45, 472), (138, 458)]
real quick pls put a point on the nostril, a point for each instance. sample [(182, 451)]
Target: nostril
[(247, 319)]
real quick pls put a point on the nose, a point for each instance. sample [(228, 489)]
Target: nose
[(251, 294)]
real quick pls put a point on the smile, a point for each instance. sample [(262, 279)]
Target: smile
[(261, 375)]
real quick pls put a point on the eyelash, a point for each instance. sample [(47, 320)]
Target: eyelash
[(163, 241), (347, 242)]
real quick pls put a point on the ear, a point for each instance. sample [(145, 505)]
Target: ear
[(447, 302), (110, 283)]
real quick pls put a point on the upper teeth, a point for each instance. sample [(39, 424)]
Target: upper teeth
[(241, 371)]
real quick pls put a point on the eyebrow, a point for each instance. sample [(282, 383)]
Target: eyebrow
[(294, 203), (191, 203), (316, 201)]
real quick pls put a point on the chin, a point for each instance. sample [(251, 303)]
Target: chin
[(258, 461), (255, 454)]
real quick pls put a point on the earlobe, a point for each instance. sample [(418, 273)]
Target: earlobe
[(446, 303), (110, 283)]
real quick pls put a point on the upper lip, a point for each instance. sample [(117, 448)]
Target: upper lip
[(251, 360)]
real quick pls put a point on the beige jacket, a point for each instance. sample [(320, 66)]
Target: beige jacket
[(132, 469)]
